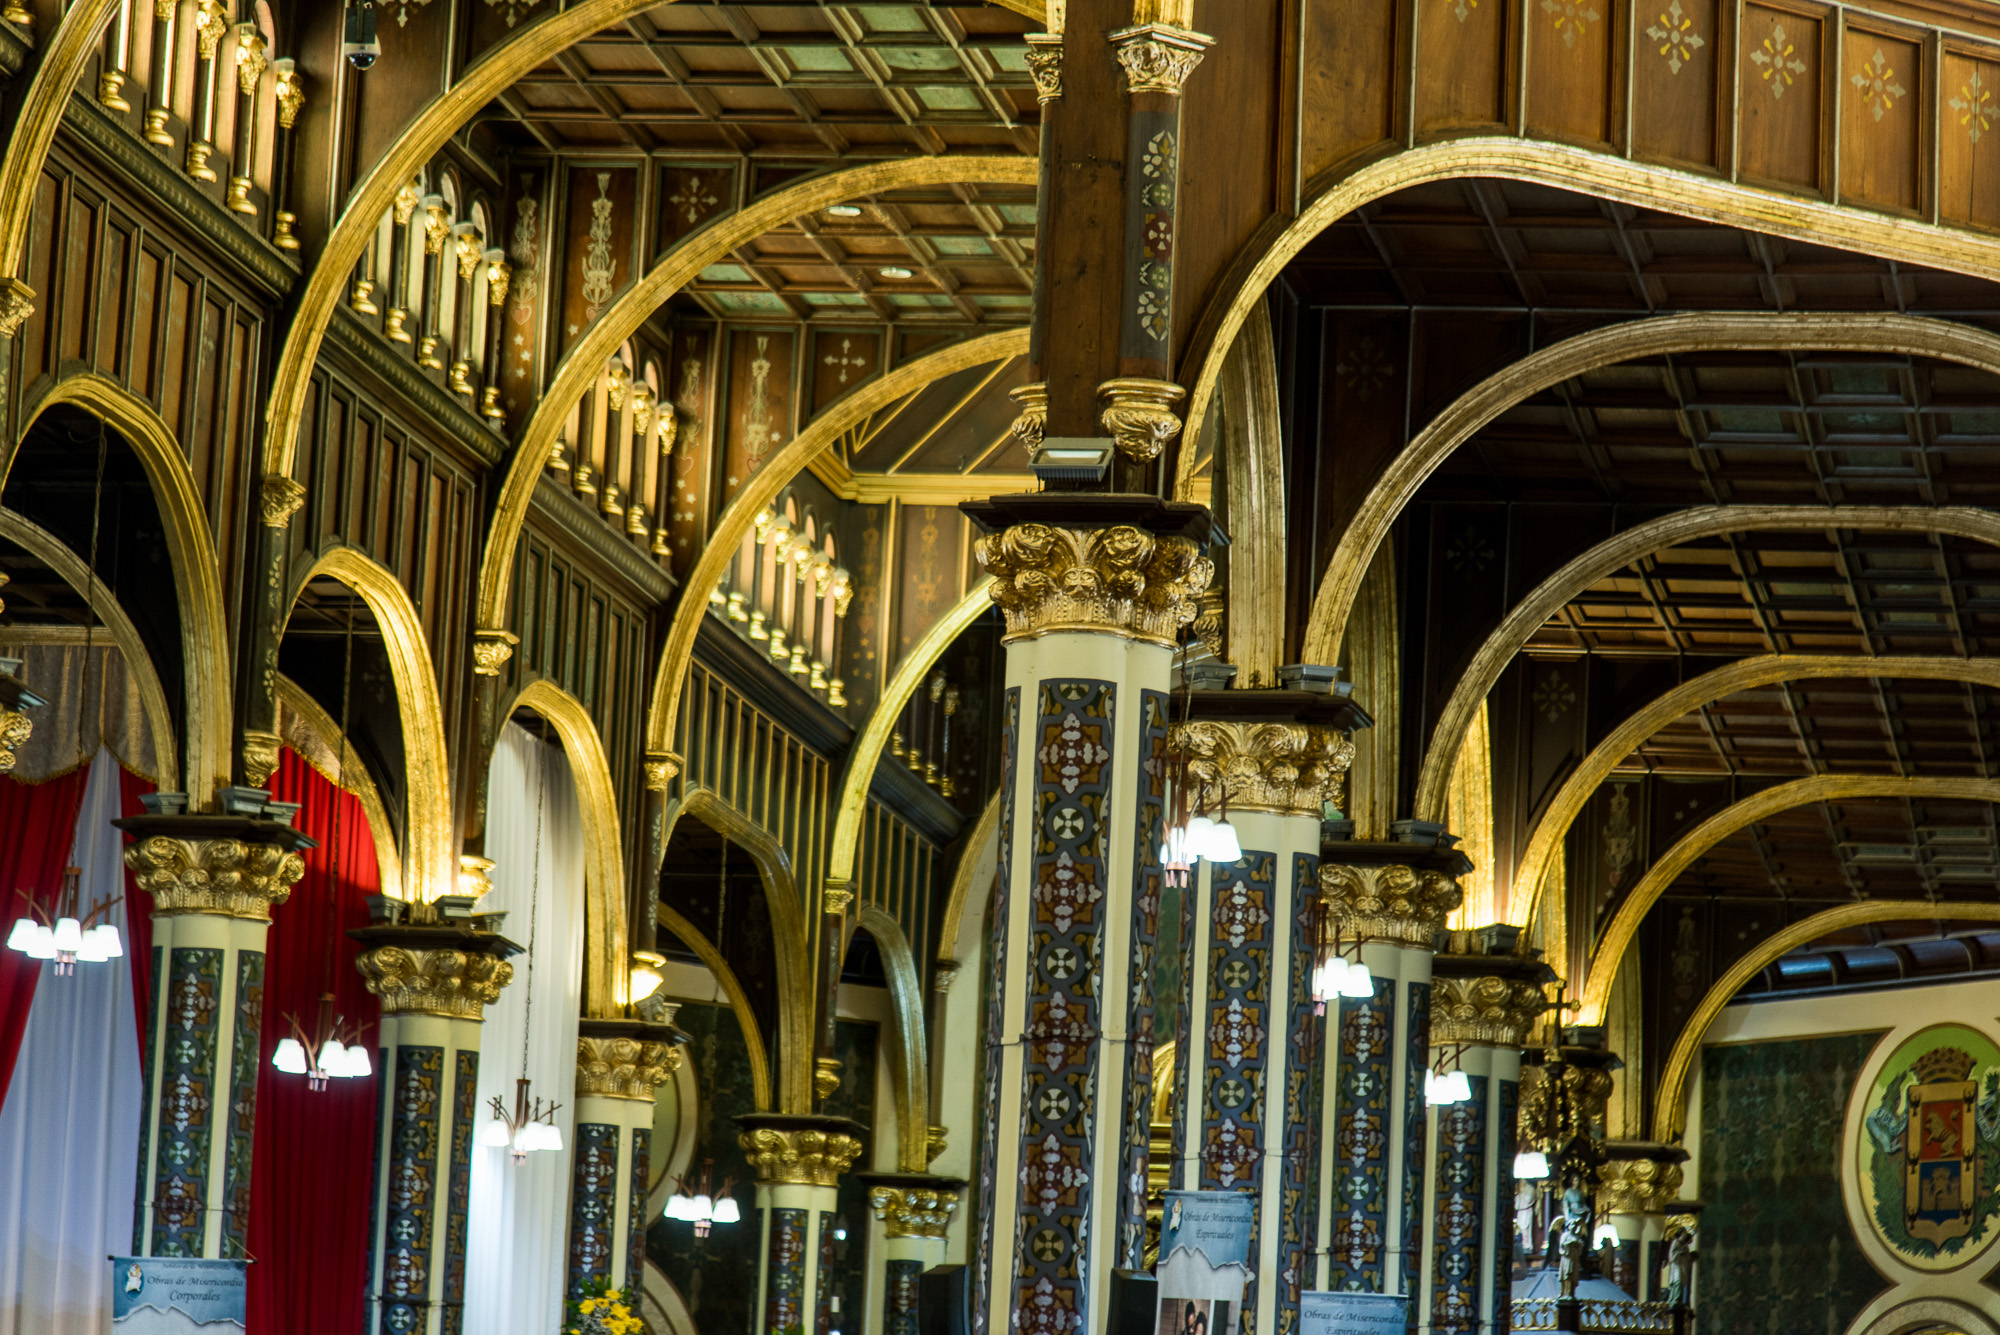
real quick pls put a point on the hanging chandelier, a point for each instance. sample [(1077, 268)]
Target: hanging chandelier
[(66, 935), (323, 1055), (1444, 1088), (705, 1205), (1334, 975), (530, 1127)]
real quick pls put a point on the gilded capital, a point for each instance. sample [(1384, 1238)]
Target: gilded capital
[(943, 974), (211, 20), (798, 1156), (1139, 415), (1495, 1012), (15, 729), (661, 771), (279, 499), (915, 1212), (1286, 768), (499, 276), (1159, 57), (231, 878), (1033, 422), (1045, 62), (837, 897), (17, 303), (454, 984), (1637, 1186), (490, 651), (291, 94), (1118, 581), (623, 1068), (260, 756), (251, 59), (1404, 905)]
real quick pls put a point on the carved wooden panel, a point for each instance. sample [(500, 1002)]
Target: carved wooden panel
[(1460, 63), (691, 389), (1571, 72), (600, 244), (760, 415), (1351, 114), (1882, 90)]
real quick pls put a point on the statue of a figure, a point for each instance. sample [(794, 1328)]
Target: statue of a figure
[(1681, 1257), (1575, 1223)]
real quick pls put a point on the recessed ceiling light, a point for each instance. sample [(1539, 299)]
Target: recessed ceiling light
[(898, 271), (844, 210)]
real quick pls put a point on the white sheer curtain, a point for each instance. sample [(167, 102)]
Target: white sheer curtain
[(69, 1133), (519, 1229)]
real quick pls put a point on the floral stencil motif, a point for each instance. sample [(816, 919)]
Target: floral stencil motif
[(1778, 60), (1877, 85), (1677, 38), (1462, 9), (1974, 105), (1572, 17)]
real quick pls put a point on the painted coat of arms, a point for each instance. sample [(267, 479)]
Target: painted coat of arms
[(1931, 1155)]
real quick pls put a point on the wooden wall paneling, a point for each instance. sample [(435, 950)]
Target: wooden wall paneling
[(1570, 70), (143, 367), (114, 298), (1351, 80), (600, 240), (691, 389), (842, 359), (79, 221), (1781, 109), (1677, 56), (1883, 101), (174, 371), (412, 70), (1969, 139), (759, 398), (688, 198), (1462, 69)]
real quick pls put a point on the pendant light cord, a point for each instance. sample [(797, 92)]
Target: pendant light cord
[(90, 574), (534, 901), (336, 863)]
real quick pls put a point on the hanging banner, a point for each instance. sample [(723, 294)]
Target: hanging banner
[(1353, 1314), (1204, 1261), (177, 1295)]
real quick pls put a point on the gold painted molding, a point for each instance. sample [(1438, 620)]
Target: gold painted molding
[(1241, 287), (205, 629), (1670, 1104), (68, 54), (1545, 844), (419, 140), (739, 1001), (1256, 473), (607, 940), (584, 362), (866, 752), (984, 833), (763, 487), (1650, 337), (789, 938), (1613, 555), (70, 568), (322, 734), (1624, 927), (1637, 1186), (909, 1075), (430, 863)]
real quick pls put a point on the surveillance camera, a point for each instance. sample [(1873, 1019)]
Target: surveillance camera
[(359, 44)]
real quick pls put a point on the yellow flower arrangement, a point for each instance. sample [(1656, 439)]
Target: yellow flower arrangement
[(602, 1310)]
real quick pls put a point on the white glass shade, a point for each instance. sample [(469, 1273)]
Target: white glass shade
[(110, 943), (1359, 982), (1431, 1094), (1457, 1087), (43, 946), (1327, 979), (1222, 844), (69, 935), (91, 949), (1198, 831), (1531, 1164), (551, 1137), (495, 1134), (701, 1208), (333, 1057), (1605, 1236), (358, 1064), (23, 934), (290, 1057), (677, 1205), (727, 1211)]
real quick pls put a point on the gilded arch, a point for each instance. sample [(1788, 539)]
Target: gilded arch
[(788, 936), (767, 482), (62, 64), (605, 934), (739, 1000), (867, 748), (965, 890), (1546, 843), (426, 133), (1670, 1104), (428, 859), (1613, 555), (622, 319), (313, 734), (197, 570), (906, 1034), (1688, 194), (1610, 953)]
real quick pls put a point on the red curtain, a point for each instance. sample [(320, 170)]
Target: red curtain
[(314, 1153), (138, 911), (37, 830)]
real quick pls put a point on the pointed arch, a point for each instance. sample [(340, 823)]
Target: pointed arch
[(908, 1046), (863, 756), (1670, 1104), (205, 634), (759, 490), (1613, 555), (533, 43), (63, 62), (606, 939), (311, 732), (739, 1000), (581, 365), (428, 858), (793, 962), (1690, 847)]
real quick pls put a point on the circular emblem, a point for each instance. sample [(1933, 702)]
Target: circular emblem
[(1060, 963), (1231, 1093), (1054, 1105), (1049, 1245)]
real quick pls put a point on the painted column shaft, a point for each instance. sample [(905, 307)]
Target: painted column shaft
[(798, 1159), (619, 1063), (1469, 1182), (917, 1210)]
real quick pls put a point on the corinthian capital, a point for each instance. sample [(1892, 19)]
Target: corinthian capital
[(1159, 57), (230, 877), (1407, 905), (455, 984), (1116, 581), (1496, 1012), (1648, 1182), (1287, 768), (623, 1067), (798, 1150)]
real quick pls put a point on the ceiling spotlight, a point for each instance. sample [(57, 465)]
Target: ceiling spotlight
[(898, 271), (843, 210)]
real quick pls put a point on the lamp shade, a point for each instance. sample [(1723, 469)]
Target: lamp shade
[(290, 1057), (495, 1134), (358, 1064), (1457, 1087), (69, 935), (1359, 982), (43, 946), (91, 949), (727, 1211), (333, 1057), (1530, 1165), (1605, 1236), (551, 1137), (701, 1209), (1327, 979), (676, 1207), (23, 935), (110, 942), (1222, 844)]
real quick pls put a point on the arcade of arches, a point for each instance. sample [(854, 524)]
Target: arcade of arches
[(640, 617)]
